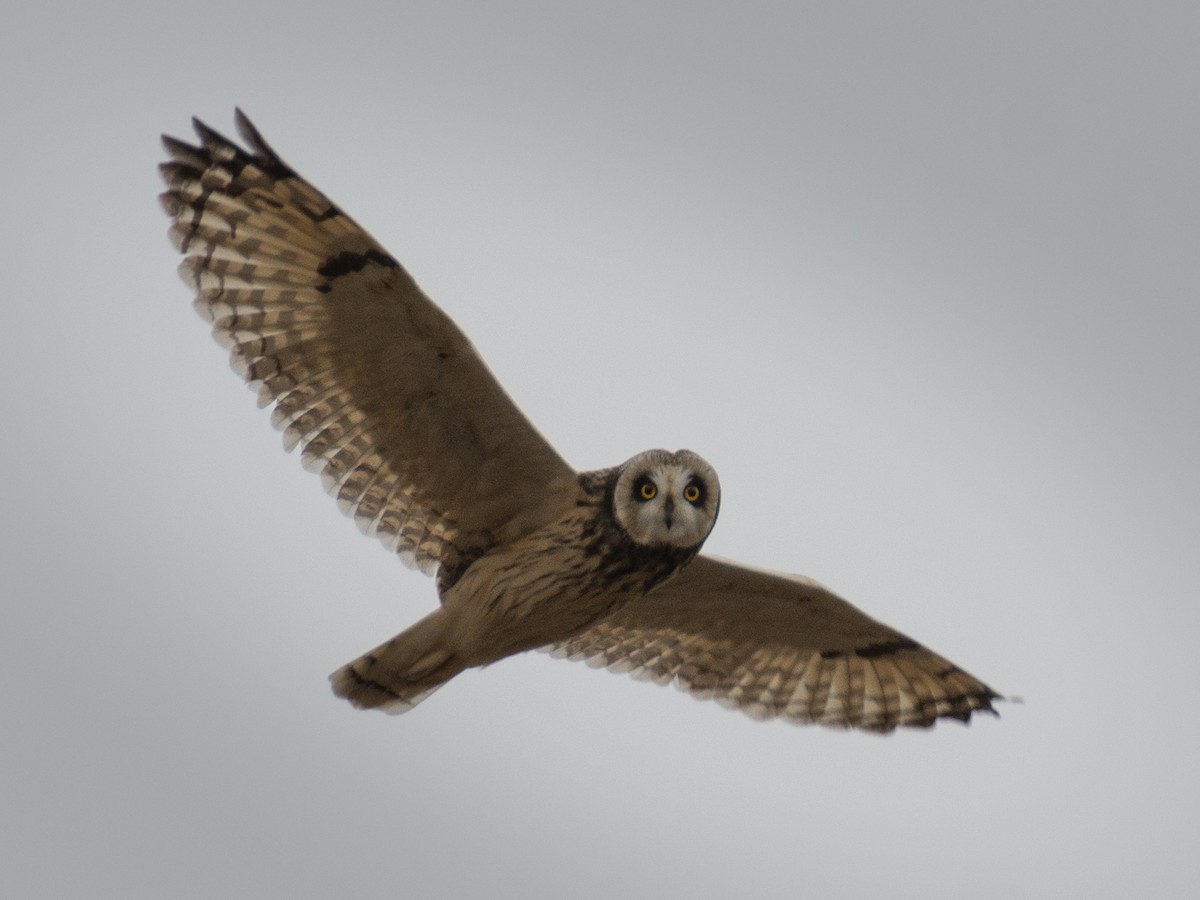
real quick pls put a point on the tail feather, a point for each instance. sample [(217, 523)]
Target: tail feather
[(399, 674)]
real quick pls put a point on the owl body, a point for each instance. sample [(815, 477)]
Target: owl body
[(415, 438), (548, 585)]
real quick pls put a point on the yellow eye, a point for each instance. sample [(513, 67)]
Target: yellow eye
[(647, 490), (691, 493)]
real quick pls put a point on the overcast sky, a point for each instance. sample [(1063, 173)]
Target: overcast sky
[(922, 281)]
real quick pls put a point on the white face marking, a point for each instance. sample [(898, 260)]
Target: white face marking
[(667, 499)]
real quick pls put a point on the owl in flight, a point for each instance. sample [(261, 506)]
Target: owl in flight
[(417, 441)]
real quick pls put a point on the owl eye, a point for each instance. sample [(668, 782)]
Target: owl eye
[(646, 490), (692, 493)]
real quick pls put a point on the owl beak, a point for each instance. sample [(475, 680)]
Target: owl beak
[(669, 512)]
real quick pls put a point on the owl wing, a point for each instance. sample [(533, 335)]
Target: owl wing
[(774, 645), (384, 395)]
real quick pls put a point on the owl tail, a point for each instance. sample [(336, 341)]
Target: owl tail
[(400, 673)]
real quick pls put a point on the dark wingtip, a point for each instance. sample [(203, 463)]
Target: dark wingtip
[(183, 153), (253, 137), (244, 126), (210, 136), (985, 705)]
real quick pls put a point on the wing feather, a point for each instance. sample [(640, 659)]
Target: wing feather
[(774, 646), (382, 393)]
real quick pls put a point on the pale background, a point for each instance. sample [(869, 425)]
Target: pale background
[(921, 281)]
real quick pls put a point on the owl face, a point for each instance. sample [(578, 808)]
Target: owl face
[(667, 499)]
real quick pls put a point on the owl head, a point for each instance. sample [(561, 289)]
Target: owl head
[(666, 499)]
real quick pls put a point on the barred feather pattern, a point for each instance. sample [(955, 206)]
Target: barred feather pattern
[(384, 396), (776, 646)]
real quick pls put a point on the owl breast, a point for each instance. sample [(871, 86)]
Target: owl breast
[(551, 583)]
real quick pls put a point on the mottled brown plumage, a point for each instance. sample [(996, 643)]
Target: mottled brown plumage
[(417, 441)]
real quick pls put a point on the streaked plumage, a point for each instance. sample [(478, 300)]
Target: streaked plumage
[(417, 441)]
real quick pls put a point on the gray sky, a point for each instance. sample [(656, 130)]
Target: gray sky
[(921, 281)]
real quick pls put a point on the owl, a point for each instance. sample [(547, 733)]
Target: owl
[(417, 441)]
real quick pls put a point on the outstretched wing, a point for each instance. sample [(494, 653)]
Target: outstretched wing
[(778, 646), (386, 398)]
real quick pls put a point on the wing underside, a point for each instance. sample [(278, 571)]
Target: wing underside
[(776, 646), (383, 394)]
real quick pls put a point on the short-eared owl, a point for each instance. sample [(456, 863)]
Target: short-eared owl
[(408, 429)]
